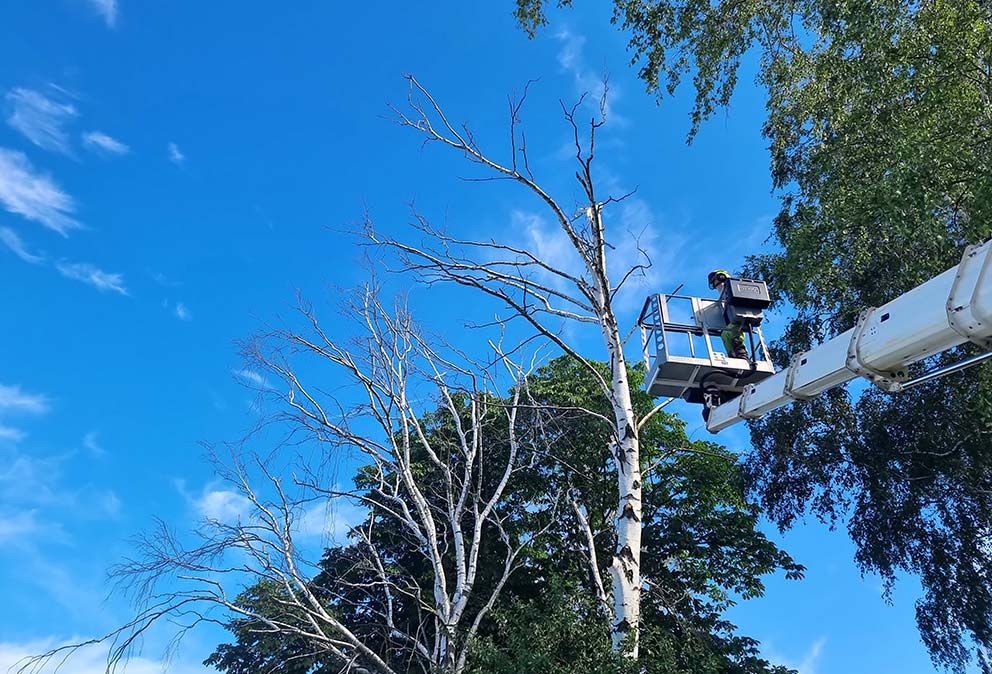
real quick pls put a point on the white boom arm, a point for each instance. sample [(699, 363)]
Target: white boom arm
[(945, 312)]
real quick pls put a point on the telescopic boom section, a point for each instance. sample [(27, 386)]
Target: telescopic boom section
[(946, 311)]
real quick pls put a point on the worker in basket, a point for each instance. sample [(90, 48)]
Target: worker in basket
[(733, 334)]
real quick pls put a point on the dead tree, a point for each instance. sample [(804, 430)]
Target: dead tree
[(544, 295), (453, 521)]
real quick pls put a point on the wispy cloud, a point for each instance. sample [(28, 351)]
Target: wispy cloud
[(97, 140), (175, 156), (33, 195), (222, 505), (547, 242), (107, 9), (29, 482), (812, 657), (179, 309), (11, 434), (330, 521), (808, 664), (164, 280), (11, 239), (78, 271), (14, 399), (92, 446), (40, 119), (253, 378), (109, 503), (572, 60), (89, 660), (88, 273), (16, 525), (570, 54), (637, 249)]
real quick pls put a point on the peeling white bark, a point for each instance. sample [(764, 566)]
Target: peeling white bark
[(626, 564)]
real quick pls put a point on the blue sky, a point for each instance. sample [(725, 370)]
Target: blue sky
[(172, 173)]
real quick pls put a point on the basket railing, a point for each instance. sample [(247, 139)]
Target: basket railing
[(654, 330)]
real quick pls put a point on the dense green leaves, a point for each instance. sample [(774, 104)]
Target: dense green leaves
[(257, 650), (880, 130), (912, 475), (701, 547), (561, 631), (881, 135), (670, 40)]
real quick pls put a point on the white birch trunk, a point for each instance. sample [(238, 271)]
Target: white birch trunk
[(626, 564)]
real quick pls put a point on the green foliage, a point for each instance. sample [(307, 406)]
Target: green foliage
[(880, 130), (562, 631), (559, 632), (672, 39), (881, 133), (256, 650), (701, 549), (913, 476)]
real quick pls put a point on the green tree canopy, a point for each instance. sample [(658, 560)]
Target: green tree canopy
[(880, 129)]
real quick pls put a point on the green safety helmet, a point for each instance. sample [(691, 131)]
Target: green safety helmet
[(715, 274)]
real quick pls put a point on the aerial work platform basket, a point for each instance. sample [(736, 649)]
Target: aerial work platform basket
[(677, 334)]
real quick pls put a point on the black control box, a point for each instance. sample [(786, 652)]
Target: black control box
[(747, 294), (746, 301)]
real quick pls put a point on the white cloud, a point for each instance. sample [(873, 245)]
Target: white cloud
[(40, 484), (326, 521), (223, 505), (40, 119), (26, 479), (88, 660), (330, 521), (97, 140), (175, 156), (254, 378), (549, 243), (10, 434), (164, 280), (570, 54), (810, 660), (572, 61), (13, 399), (11, 239), (88, 273), (179, 310), (16, 526), (92, 446), (33, 195), (109, 503), (106, 9), (636, 241)]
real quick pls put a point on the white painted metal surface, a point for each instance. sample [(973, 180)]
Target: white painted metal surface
[(938, 315), (679, 351)]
